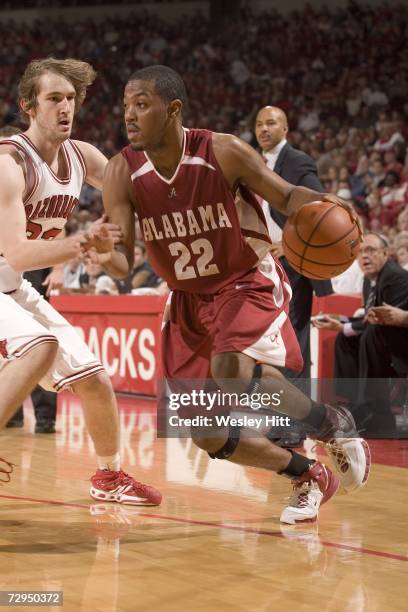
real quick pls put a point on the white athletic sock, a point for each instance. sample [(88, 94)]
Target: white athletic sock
[(109, 463)]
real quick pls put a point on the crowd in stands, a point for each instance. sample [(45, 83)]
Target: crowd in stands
[(46, 4), (338, 73)]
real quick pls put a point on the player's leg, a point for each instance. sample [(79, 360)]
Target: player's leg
[(19, 377), (110, 482), (76, 368), (186, 349), (100, 412), (335, 426), (253, 323), (313, 482), (27, 351)]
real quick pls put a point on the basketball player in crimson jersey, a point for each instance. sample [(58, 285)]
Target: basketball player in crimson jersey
[(41, 175), (227, 317)]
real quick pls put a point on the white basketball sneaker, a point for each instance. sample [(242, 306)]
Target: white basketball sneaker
[(314, 487), (350, 454), (351, 461), (304, 504)]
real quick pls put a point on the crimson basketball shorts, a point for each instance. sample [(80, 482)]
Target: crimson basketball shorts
[(249, 315)]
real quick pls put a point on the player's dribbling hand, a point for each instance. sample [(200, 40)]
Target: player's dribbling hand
[(330, 197)]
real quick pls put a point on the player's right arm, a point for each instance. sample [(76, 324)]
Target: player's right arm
[(118, 201), (241, 164), (23, 254)]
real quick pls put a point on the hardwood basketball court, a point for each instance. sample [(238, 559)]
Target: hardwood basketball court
[(215, 543)]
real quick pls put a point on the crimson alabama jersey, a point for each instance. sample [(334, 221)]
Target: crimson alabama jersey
[(48, 200), (199, 234)]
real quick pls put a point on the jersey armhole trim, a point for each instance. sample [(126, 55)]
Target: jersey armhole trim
[(27, 160), (80, 157)]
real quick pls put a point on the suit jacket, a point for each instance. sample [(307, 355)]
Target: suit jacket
[(391, 287), (298, 168)]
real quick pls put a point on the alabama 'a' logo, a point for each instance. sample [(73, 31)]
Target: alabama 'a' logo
[(3, 349)]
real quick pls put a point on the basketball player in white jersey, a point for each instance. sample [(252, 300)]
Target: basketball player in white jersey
[(41, 174)]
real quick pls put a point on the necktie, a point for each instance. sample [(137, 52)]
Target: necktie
[(370, 298)]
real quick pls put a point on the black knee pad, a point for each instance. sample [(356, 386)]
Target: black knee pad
[(256, 379), (230, 445), (234, 433)]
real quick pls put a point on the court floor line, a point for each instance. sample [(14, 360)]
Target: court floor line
[(265, 532)]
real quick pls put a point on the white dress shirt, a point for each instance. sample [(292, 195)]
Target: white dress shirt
[(275, 232)]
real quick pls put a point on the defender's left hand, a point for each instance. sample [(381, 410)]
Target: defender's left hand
[(101, 238), (114, 230)]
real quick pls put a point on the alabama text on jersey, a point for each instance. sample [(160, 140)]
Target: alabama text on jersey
[(199, 234)]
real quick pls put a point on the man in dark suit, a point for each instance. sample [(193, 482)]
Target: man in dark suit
[(369, 348), (271, 128)]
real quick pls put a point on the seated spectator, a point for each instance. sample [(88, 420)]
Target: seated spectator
[(377, 215), (388, 315), (389, 136), (392, 164), (402, 222), (343, 190), (393, 195), (402, 255), (142, 274), (105, 285), (370, 351), (73, 270), (88, 279), (378, 173)]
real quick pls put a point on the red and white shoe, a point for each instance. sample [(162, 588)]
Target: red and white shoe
[(314, 487), (6, 468), (351, 460), (350, 454), (107, 485)]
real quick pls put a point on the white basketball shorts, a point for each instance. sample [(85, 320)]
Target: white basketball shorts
[(28, 320)]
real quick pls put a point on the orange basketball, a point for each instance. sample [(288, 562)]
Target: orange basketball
[(320, 240)]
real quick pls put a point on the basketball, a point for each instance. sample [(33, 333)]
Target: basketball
[(320, 240)]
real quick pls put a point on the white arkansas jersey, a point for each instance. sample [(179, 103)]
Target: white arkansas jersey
[(48, 200)]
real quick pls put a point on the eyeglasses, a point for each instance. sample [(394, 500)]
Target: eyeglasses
[(370, 250)]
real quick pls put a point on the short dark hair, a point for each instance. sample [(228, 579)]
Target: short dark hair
[(167, 82)]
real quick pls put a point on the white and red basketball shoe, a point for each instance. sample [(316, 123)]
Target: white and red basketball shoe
[(314, 487), (6, 468), (107, 485), (349, 453)]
